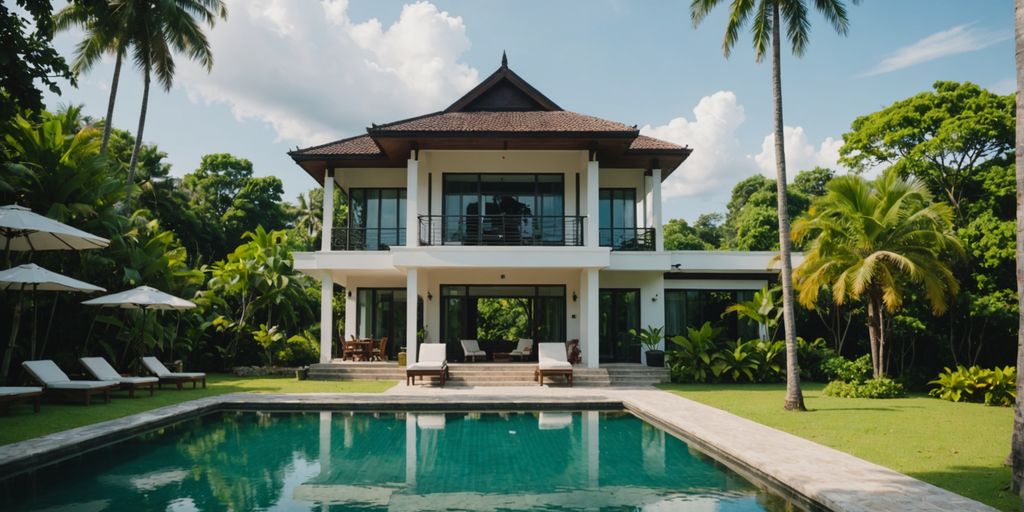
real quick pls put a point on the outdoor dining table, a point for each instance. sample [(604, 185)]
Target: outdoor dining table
[(365, 346)]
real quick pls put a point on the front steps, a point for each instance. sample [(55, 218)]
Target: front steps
[(496, 374)]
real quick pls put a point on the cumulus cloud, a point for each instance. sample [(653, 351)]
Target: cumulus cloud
[(801, 154), (716, 160), (316, 74), (959, 39)]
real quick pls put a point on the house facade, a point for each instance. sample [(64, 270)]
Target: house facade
[(506, 217)]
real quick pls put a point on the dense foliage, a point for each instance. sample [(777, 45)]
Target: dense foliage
[(995, 386)]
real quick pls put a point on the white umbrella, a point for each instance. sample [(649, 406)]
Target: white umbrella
[(144, 298), (34, 278), (23, 230)]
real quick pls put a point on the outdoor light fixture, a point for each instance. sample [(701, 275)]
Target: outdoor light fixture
[(574, 296), (430, 296), (676, 266), (350, 294), (654, 298)]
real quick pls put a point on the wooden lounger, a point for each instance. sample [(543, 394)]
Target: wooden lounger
[(57, 383), (433, 363), (100, 369), (551, 360), (168, 377), (12, 394)]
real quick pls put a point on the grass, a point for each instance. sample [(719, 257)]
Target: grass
[(957, 446), (20, 423)]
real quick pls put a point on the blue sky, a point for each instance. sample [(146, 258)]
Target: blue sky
[(292, 72)]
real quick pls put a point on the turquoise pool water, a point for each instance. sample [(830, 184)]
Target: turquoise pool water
[(393, 461)]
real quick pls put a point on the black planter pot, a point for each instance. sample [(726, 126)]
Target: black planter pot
[(656, 358)]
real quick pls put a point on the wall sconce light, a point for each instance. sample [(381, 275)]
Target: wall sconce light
[(503, 276), (430, 296), (574, 296), (654, 298), (350, 294)]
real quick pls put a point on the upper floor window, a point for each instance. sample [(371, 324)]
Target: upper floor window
[(503, 209), (617, 212), (376, 219)]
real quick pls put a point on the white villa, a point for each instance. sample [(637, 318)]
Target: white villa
[(506, 200)]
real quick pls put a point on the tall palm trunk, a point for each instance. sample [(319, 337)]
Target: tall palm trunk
[(1017, 453), (794, 397), (138, 140), (875, 330), (108, 122)]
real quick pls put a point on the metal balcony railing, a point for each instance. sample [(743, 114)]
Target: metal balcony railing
[(523, 230), (626, 239), (366, 239)]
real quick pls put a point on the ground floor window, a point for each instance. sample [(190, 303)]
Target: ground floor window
[(380, 312), (497, 316), (619, 311), (691, 308)]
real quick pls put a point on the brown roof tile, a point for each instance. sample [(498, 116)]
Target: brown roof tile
[(361, 145), (644, 142), (510, 122)]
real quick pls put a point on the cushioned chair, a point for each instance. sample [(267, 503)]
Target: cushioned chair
[(523, 349), (472, 349), (433, 363), (551, 360), (168, 377), (100, 369), (56, 382), (11, 394)]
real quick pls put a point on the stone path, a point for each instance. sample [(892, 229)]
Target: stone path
[(818, 474)]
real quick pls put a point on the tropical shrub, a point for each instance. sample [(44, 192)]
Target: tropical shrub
[(871, 388), (812, 355), (842, 369), (772, 360), (739, 359), (649, 337), (995, 386), (691, 361)]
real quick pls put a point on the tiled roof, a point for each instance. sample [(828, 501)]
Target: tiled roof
[(355, 146), (510, 122), (644, 142)]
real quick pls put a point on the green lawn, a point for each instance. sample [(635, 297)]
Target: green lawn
[(21, 423), (956, 446)]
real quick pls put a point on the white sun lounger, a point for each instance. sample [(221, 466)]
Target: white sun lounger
[(472, 349), (56, 381), (551, 360), (168, 377), (433, 363), (11, 394), (523, 348), (100, 369)]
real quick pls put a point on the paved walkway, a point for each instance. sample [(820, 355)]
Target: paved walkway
[(828, 477)]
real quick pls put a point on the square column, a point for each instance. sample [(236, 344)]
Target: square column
[(412, 288), (326, 317), (589, 316), (655, 201), (412, 193), (590, 238), (327, 220)]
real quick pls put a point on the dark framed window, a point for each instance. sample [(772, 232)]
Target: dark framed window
[(377, 217), (691, 308), (617, 217), (503, 208)]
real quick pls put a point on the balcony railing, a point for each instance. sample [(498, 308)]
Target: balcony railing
[(366, 239), (627, 239), (526, 230)]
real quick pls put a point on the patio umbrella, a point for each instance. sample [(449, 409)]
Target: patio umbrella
[(33, 278), (23, 230), (144, 298)]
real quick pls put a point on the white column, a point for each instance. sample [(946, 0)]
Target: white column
[(326, 316), (593, 215), (327, 220), (412, 287), (589, 342), (656, 222), (412, 194)]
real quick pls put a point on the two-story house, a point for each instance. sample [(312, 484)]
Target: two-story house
[(505, 199)]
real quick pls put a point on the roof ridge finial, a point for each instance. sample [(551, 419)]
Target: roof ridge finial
[(504, 59)]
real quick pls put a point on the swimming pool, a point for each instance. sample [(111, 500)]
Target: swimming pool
[(595, 460)]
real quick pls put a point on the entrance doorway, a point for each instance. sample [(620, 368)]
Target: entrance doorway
[(380, 312), (618, 311)]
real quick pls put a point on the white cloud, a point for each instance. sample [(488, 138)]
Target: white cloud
[(716, 160), (315, 74), (959, 39), (801, 154)]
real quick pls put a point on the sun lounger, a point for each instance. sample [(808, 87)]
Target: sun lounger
[(100, 369), (168, 377), (551, 360), (523, 349), (472, 349), (11, 394), (433, 363), (56, 382)]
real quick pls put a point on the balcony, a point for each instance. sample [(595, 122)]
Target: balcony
[(501, 230), (366, 239), (627, 239)]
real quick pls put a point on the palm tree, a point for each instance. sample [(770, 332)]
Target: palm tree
[(766, 29), (872, 240), (763, 309), (157, 30), (104, 33), (1017, 449)]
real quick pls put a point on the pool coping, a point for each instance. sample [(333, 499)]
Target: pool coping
[(814, 476)]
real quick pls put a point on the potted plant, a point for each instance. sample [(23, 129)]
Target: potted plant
[(651, 337)]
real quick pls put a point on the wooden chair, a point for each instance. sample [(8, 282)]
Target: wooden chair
[(380, 352)]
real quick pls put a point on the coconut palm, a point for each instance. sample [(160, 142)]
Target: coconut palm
[(873, 240), (157, 29), (766, 17), (1017, 449), (104, 33)]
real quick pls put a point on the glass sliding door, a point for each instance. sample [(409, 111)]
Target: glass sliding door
[(376, 218), (380, 313), (498, 315), (618, 312)]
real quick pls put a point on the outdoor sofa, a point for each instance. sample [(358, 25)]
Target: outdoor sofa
[(433, 363), (551, 360), (56, 382), (100, 369), (168, 377)]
